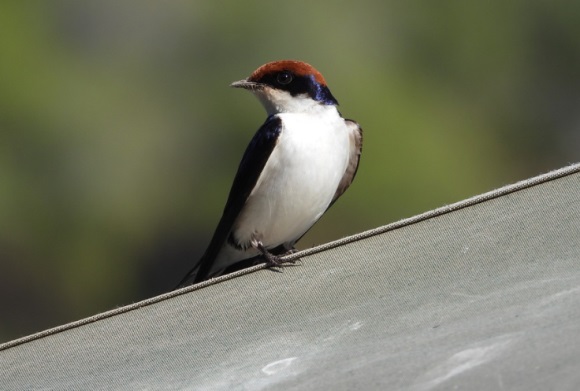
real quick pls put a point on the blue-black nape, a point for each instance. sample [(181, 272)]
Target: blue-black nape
[(321, 93)]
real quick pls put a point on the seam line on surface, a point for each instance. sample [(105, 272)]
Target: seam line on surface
[(566, 171)]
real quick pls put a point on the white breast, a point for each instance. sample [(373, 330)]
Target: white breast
[(299, 179)]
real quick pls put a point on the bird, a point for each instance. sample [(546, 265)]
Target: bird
[(298, 163)]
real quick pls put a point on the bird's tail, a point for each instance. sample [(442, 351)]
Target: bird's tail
[(202, 270), (189, 278)]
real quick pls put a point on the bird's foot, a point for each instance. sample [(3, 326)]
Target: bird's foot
[(290, 252), (271, 259)]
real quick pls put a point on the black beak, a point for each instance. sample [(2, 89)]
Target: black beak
[(247, 85)]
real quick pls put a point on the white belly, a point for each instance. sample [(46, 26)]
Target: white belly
[(298, 181)]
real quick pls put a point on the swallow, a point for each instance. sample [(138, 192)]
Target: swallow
[(299, 162)]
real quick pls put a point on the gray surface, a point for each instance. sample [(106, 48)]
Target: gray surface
[(485, 297)]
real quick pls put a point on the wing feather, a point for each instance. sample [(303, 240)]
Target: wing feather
[(356, 138), (249, 170)]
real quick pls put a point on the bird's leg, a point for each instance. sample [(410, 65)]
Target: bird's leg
[(273, 260)]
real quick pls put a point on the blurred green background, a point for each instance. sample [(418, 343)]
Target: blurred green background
[(120, 136)]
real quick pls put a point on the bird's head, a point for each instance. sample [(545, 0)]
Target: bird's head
[(288, 86)]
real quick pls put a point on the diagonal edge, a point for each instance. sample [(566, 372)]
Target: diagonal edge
[(521, 185), (552, 175)]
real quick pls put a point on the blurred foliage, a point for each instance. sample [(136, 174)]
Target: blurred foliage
[(120, 138)]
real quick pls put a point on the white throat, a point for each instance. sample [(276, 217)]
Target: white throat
[(278, 101)]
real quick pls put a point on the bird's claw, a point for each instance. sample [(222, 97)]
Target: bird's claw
[(275, 260)]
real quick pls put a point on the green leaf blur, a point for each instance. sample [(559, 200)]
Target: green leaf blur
[(120, 137)]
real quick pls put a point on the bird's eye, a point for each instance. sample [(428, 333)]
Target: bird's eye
[(284, 78)]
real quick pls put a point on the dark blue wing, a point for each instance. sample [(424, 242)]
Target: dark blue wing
[(251, 166)]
